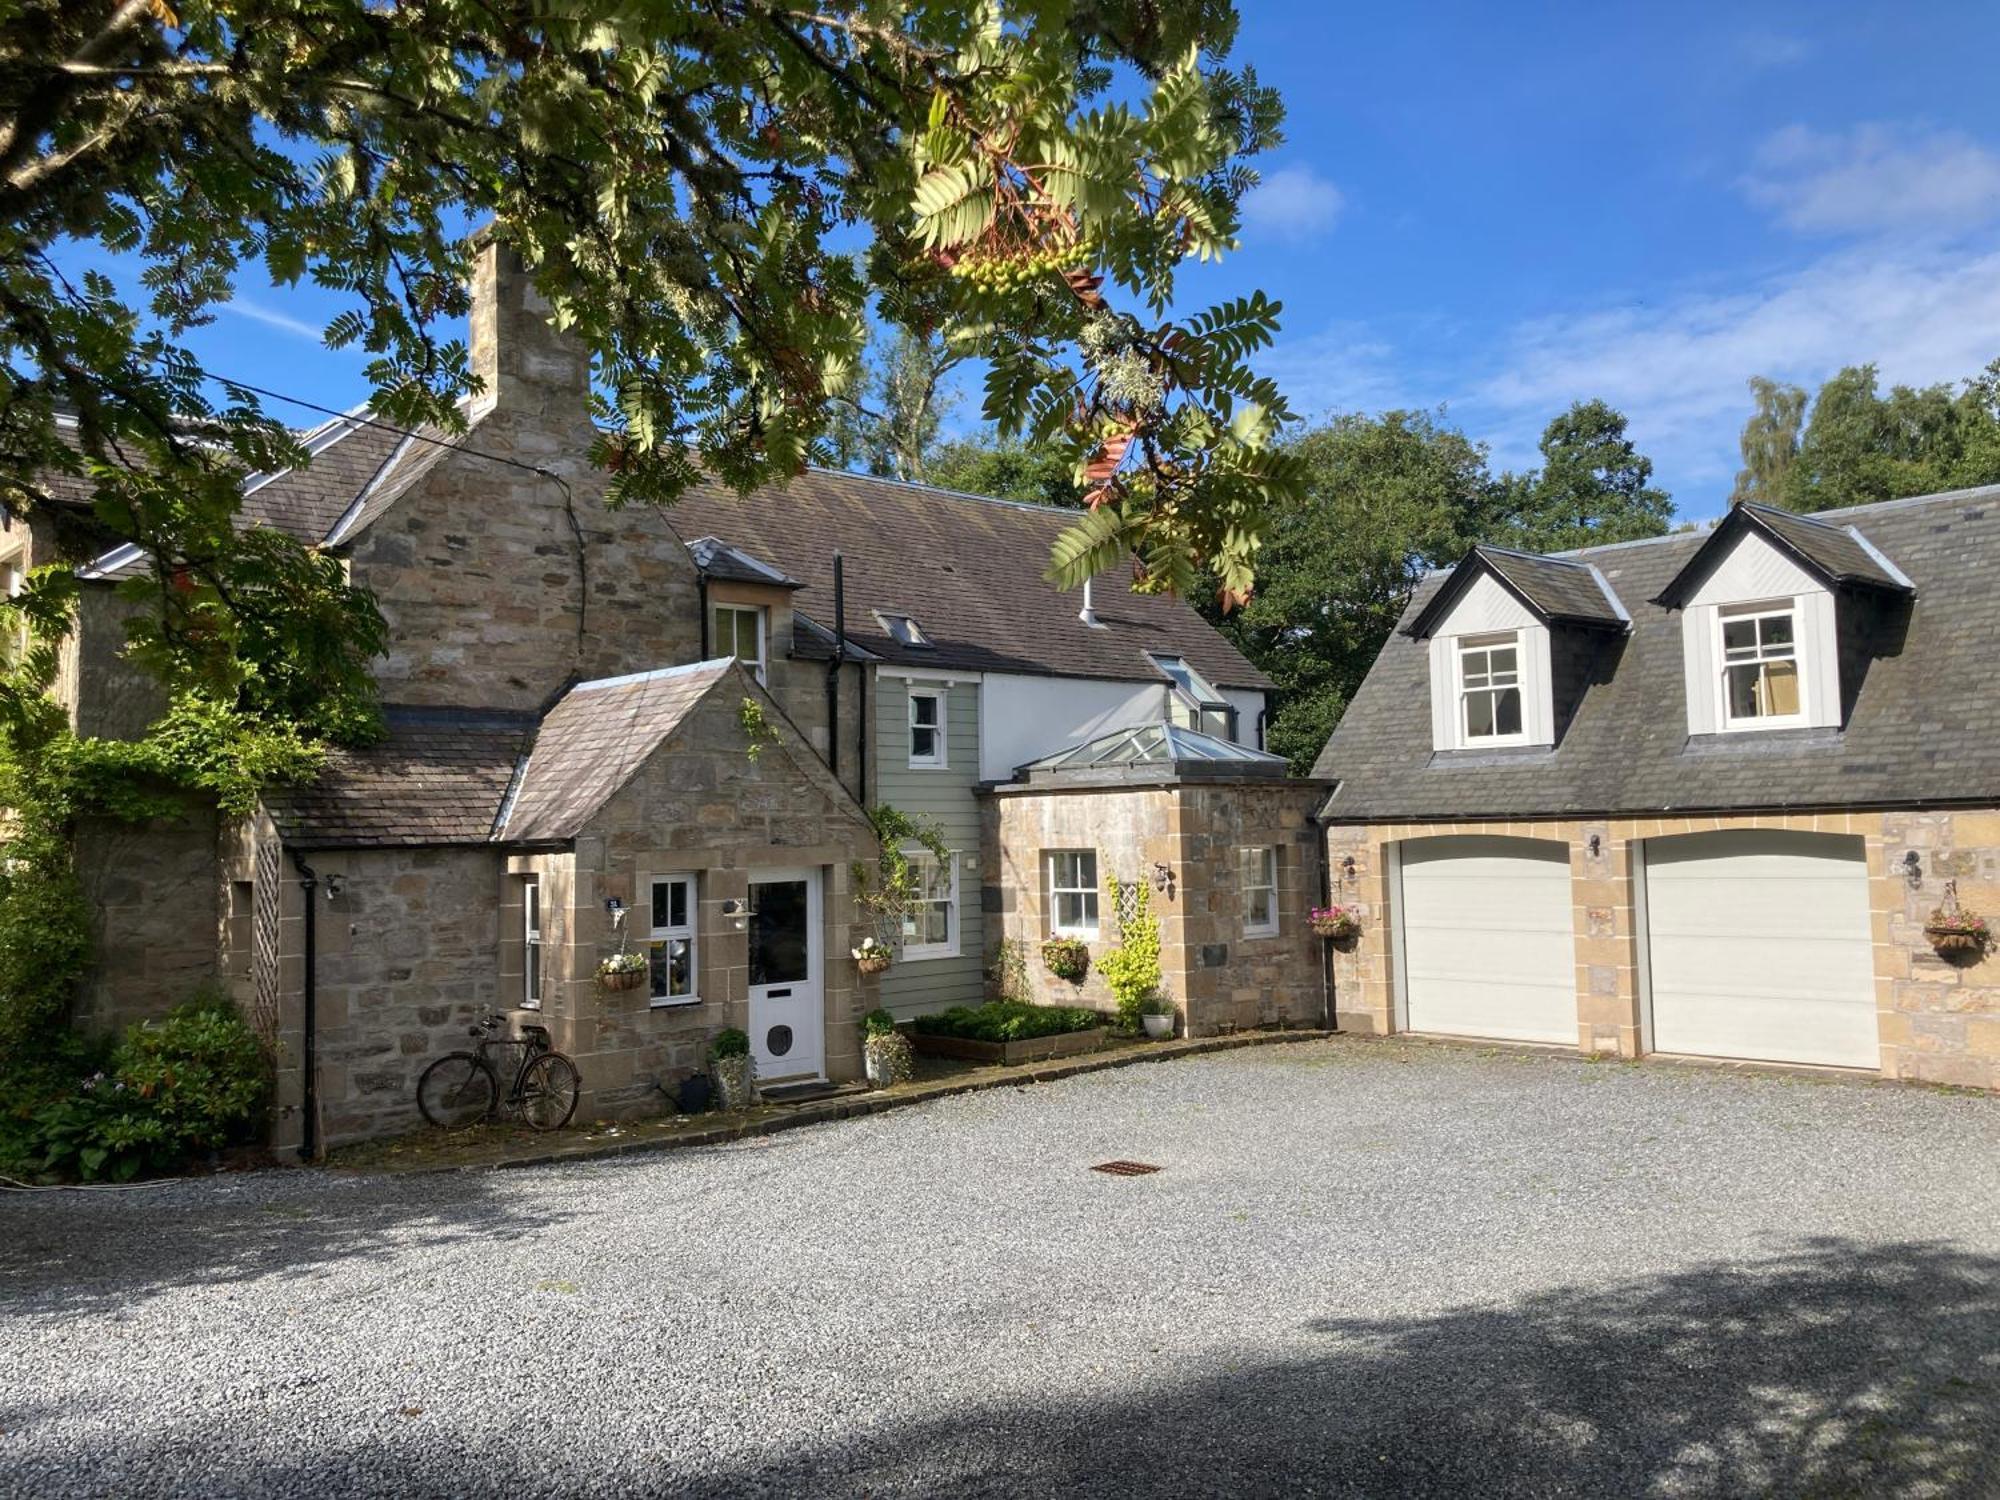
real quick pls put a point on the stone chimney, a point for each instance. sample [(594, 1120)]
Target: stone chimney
[(529, 368)]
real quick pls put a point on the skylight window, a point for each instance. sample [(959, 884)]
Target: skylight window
[(904, 631)]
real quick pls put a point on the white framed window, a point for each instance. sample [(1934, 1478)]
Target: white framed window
[(531, 943), (1260, 892), (905, 631), (1758, 646), (927, 749), (1073, 892), (930, 930), (1489, 689), (672, 912), (739, 632)]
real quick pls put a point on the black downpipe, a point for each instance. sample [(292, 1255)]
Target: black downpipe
[(833, 670), (1262, 714), (1328, 994), (308, 1042)]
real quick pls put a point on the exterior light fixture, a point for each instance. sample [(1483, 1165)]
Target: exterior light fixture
[(335, 884), (1163, 878), (1913, 867), (1596, 845), (1347, 867)]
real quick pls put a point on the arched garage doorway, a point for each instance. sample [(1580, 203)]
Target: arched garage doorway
[(1485, 938), (1758, 946)]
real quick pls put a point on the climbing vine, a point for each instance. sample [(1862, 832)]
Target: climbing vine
[(1131, 971), (892, 888), (756, 728)]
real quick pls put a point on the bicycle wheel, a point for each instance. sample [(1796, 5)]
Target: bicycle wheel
[(457, 1090), (550, 1087)]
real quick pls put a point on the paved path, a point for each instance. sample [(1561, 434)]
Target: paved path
[(1381, 1269)]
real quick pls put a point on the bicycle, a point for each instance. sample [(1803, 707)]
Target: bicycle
[(462, 1088)]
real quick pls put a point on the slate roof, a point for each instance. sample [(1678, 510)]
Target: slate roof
[(1924, 727), (438, 777), (594, 740), (969, 572), (717, 559), (1831, 551), (1560, 591)]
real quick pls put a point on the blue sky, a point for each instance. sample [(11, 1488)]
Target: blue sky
[(1501, 209)]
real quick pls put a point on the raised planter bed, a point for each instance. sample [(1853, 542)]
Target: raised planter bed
[(1032, 1049)]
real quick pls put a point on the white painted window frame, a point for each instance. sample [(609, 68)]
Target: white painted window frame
[(922, 858), (672, 931), (531, 942), (940, 759), (1490, 640), (725, 606), (1729, 614), (1088, 893), (1261, 861)]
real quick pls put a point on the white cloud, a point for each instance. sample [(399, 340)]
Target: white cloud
[(1342, 368), (1677, 367), (1874, 177), (270, 317), (1292, 203)]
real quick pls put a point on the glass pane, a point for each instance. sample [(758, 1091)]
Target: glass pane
[(1507, 711), (725, 633), (1475, 669), (1260, 908), (1479, 716), (531, 905), (533, 974), (1741, 683), (1086, 876), (1739, 635), (923, 744), (779, 941), (1089, 908), (936, 919), (1781, 687), (923, 710), (1777, 630), (1501, 661)]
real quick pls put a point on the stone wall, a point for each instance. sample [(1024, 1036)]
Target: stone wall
[(152, 896), (1219, 978), (1939, 1021)]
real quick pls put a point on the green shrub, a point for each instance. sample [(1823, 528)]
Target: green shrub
[(1006, 1021), (730, 1042), (195, 1080), (878, 1022), (1131, 971)]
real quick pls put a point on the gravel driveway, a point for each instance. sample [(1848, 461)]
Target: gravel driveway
[(1380, 1269)]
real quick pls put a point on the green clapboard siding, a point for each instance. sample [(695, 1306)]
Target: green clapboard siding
[(929, 984)]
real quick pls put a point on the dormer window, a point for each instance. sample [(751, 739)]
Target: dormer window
[(1760, 666), (1766, 602), (1512, 641), (1489, 688)]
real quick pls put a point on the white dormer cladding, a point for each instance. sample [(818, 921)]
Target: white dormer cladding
[(1473, 641), (1737, 619)]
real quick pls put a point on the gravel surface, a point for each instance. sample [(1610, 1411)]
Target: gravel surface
[(1382, 1269)]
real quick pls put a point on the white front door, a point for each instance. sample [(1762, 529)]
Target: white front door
[(1489, 944), (1761, 947), (787, 1008)]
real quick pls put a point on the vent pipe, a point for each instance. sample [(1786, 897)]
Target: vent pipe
[(1087, 614)]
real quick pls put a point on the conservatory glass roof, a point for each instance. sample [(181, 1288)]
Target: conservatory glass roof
[(1157, 745)]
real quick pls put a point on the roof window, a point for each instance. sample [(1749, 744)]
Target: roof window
[(905, 631)]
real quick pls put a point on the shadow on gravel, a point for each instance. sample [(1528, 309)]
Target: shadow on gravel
[(97, 1251), (1839, 1370)]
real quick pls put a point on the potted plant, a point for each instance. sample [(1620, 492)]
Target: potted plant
[(1954, 931), (885, 1051), (1340, 923), (622, 971), (1156, 1014), (1067, 958), (873, 956), (734, 1069)]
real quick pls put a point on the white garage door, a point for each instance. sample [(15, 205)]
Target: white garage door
[(1760, 947), (1488, 944)]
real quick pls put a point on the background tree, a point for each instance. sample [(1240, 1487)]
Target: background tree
[(1770, 442), (1594, 487), (1384, 499), (987, 465), (886, 420)]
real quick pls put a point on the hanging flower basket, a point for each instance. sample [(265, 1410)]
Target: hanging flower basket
[(1067, 958), (622, 971), (1957, 932), (873, 956), (1342, 924)]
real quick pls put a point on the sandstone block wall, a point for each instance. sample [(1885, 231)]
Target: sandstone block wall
[(153, 899), (1219, 978)]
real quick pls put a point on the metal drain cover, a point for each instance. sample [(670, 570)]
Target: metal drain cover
[(1125, 1168)]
